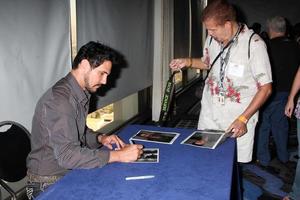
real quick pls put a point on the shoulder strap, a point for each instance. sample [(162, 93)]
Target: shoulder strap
[(225, 47), (216, 58), (210, 40), (167, 99), (249, 44)]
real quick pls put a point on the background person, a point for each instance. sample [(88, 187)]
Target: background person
[(295, 193), (284, 56)]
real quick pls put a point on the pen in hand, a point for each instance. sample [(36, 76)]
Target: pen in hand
[(131, 142)]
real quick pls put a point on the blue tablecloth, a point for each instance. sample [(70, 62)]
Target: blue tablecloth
[(183, 172)]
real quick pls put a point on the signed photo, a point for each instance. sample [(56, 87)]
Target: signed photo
[(155, 136), (205, 139), (150, 155)]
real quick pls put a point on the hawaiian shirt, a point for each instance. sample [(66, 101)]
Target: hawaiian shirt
[(243, 75), (246, 68), (232, 83)]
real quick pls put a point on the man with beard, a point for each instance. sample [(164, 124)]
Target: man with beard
[(60, 140)]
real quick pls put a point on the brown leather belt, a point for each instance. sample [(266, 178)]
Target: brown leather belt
[(42, 179)]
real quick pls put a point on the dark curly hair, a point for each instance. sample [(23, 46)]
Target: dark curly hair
[(96, 53)]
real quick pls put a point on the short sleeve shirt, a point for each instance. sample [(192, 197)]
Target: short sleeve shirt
[(247, 68)]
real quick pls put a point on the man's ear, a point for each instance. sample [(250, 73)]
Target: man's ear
[(85, 65), (228, 24)]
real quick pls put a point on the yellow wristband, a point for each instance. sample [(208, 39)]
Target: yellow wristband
[(243, 119)]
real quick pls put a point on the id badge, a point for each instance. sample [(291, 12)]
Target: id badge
[(221, 99), (236, 69)]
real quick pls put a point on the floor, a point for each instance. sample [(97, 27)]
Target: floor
[(260, 183)]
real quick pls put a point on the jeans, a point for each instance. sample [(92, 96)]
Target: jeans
[(295, 194), (273, 120), (33, 189)]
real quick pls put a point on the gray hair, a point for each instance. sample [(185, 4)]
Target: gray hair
[(277, 24)]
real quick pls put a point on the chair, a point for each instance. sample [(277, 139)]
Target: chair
[(14, 149)]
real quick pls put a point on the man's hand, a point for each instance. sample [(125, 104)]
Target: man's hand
[(129, 153), (177, 64), (111, 139), (289, 107), (237, 128)]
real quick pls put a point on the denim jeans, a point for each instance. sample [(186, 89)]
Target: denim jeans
[(295, 194), (273, 119), (33, 189)]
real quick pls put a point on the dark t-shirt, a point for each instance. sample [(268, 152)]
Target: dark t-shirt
[(284, 56)]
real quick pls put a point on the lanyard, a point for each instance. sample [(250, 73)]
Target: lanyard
[(224, 59), (223, 64), (167, 100)]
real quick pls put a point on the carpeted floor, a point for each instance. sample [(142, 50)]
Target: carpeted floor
[(260, 183), (266, 184)]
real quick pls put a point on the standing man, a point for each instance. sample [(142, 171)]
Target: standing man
[(284, 56), (60, 140), (239, 81)]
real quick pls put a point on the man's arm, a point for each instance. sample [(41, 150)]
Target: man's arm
[(239, 126), (198, 63), (261, 71), (295, 88), (109, 140), (123, 152), (179, 63), (92, 139), (129, 153)]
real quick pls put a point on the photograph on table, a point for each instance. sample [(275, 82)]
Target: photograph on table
[(155, 136), (206, 138), (150, 155)]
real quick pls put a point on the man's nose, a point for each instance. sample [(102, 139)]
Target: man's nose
[(104, 80)]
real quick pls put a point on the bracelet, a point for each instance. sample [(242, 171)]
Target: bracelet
[(243, 119)]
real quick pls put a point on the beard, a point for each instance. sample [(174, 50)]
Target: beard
[(88, 86)]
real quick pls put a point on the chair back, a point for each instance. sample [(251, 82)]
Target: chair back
[(14, 149)]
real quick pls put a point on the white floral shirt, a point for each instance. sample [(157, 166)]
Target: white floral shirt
[(243, 75)]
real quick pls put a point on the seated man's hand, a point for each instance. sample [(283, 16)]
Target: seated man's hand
[(112, 139), (129, 153)]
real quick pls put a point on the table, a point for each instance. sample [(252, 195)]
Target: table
[(184, 172)]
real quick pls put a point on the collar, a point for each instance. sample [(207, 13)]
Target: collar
[(79, 94)]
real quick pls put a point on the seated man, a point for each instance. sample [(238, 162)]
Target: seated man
[(60, 140)]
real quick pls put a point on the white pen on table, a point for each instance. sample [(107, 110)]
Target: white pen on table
[(139, 177)]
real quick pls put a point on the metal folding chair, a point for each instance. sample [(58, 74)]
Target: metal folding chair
[(14, 149)]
